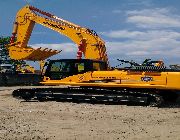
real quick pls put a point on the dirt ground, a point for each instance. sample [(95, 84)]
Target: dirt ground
[(70, 121)]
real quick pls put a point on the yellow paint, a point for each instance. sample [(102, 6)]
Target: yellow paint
[(26, 18), (94, 48)]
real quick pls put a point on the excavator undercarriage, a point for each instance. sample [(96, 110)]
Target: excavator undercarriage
[(89, 91), (92, 95)]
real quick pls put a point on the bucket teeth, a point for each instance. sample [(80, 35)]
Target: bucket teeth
[(31, 54)]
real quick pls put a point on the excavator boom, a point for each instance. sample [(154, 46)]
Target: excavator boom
[(88, 42)]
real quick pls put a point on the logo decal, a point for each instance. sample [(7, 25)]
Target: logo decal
[(146, 78), (55, 26)]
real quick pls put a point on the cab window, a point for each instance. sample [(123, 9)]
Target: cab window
[(97, 66), (60, 67), (79, 67)]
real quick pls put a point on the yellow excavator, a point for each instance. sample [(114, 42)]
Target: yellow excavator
[(90, 79)]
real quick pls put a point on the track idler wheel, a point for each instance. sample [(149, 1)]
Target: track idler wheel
[(23, 94)]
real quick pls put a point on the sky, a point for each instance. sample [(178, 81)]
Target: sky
[(132, 29)]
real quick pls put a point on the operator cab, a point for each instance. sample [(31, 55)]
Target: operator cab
[(59, 69)]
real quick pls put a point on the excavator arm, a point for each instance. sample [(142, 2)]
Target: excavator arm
[(88, 42)]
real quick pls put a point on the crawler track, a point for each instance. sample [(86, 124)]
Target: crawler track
[(91, 95)]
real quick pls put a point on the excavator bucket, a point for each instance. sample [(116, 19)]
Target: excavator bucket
[(31, 54)]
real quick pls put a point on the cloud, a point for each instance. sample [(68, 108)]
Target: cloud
[(142, 35), (163, 44), (65, 47), (153, 18), (156, 37), (131, 49), (139, 43), (162, 48)]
